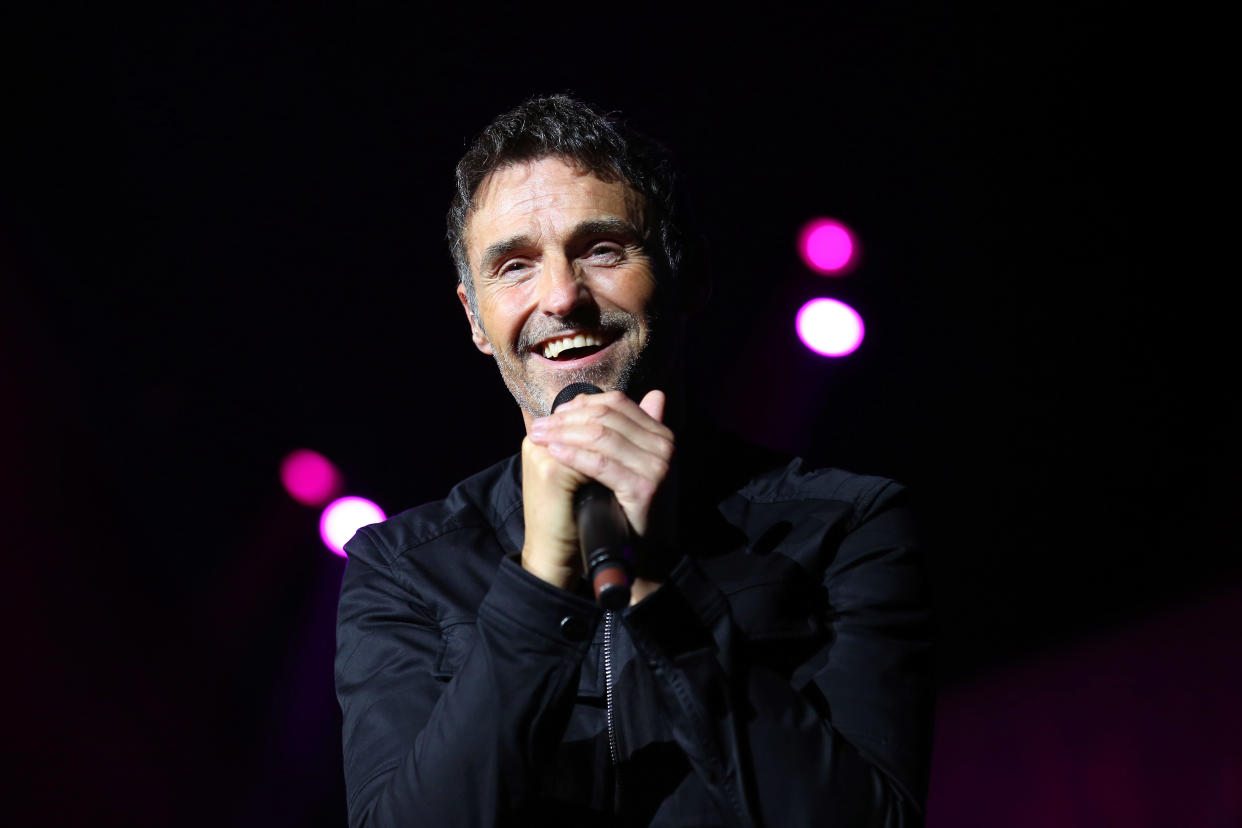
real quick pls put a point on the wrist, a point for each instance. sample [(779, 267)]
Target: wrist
[(562, 576)]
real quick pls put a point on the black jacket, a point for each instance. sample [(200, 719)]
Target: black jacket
[(779, 677)]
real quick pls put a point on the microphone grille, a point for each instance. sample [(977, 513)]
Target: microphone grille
[(574, 389)]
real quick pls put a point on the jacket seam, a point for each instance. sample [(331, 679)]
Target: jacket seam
[(861, 503), (370, 781), (406, 583)]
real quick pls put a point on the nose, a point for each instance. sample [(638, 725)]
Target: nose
[(562, 287)]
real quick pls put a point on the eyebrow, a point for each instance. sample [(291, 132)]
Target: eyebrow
[(605, 227), (502, 249)]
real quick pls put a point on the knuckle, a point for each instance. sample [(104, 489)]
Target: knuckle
[(601, 463)]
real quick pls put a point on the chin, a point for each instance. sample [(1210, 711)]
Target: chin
[(604, 377)]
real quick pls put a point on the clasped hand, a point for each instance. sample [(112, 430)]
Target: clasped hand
[(605, 437)]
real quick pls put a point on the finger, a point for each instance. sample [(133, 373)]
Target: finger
[(586, 408), (634, 491), (653, 403), (605, 430), (540, 466), (649, 457)]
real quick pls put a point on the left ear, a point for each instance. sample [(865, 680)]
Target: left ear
[(476, 330)]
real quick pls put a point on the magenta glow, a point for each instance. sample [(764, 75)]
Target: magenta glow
[(309, 477), (827, 246), (829, 327), (345, 516)]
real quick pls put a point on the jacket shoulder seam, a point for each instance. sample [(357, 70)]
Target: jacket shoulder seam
[(866, 491)]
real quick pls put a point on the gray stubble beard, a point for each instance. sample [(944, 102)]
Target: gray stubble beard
[(604, 375)]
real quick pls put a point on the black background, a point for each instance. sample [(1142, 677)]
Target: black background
[(221, 238)]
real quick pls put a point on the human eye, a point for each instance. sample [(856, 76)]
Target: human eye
[(513, 268), (605, 252)]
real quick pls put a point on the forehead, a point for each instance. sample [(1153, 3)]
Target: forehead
[(541, 197)]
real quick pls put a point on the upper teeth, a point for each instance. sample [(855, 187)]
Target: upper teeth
[(551, 349)]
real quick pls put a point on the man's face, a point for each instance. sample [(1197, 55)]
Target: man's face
[(564, 289)]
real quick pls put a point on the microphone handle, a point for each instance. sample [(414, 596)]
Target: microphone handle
[(604, 535)]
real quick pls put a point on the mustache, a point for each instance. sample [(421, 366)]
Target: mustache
[(610, 325)]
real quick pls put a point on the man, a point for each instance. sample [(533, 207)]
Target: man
[(771, 668)]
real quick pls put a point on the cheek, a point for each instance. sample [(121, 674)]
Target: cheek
[(640, 300), (632, 291), (504, 313)]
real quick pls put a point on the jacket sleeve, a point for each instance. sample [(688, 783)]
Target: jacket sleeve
[(420, 750), (844, 739)]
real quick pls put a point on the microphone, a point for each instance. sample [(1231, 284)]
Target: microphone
[(603, 531)]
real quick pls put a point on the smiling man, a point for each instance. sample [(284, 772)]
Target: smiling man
[(565, 287), (772, 667)]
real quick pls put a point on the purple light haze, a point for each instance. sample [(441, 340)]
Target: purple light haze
[(827, 246), (309, 477), (345, 516), (829, 327)]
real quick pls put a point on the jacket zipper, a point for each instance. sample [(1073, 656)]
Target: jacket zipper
[(609, 620)]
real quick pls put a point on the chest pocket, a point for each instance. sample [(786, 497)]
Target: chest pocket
[(457, 636), (777, 605)]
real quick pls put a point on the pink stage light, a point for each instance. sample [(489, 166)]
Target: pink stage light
[(827, 246), (345, 516), (309, 477), (829, 327)]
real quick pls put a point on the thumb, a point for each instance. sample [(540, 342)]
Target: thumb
[(653, 404)]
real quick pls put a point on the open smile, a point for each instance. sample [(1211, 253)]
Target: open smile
[(573, 346)]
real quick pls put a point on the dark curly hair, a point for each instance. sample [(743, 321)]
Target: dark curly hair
[(602, 144)]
